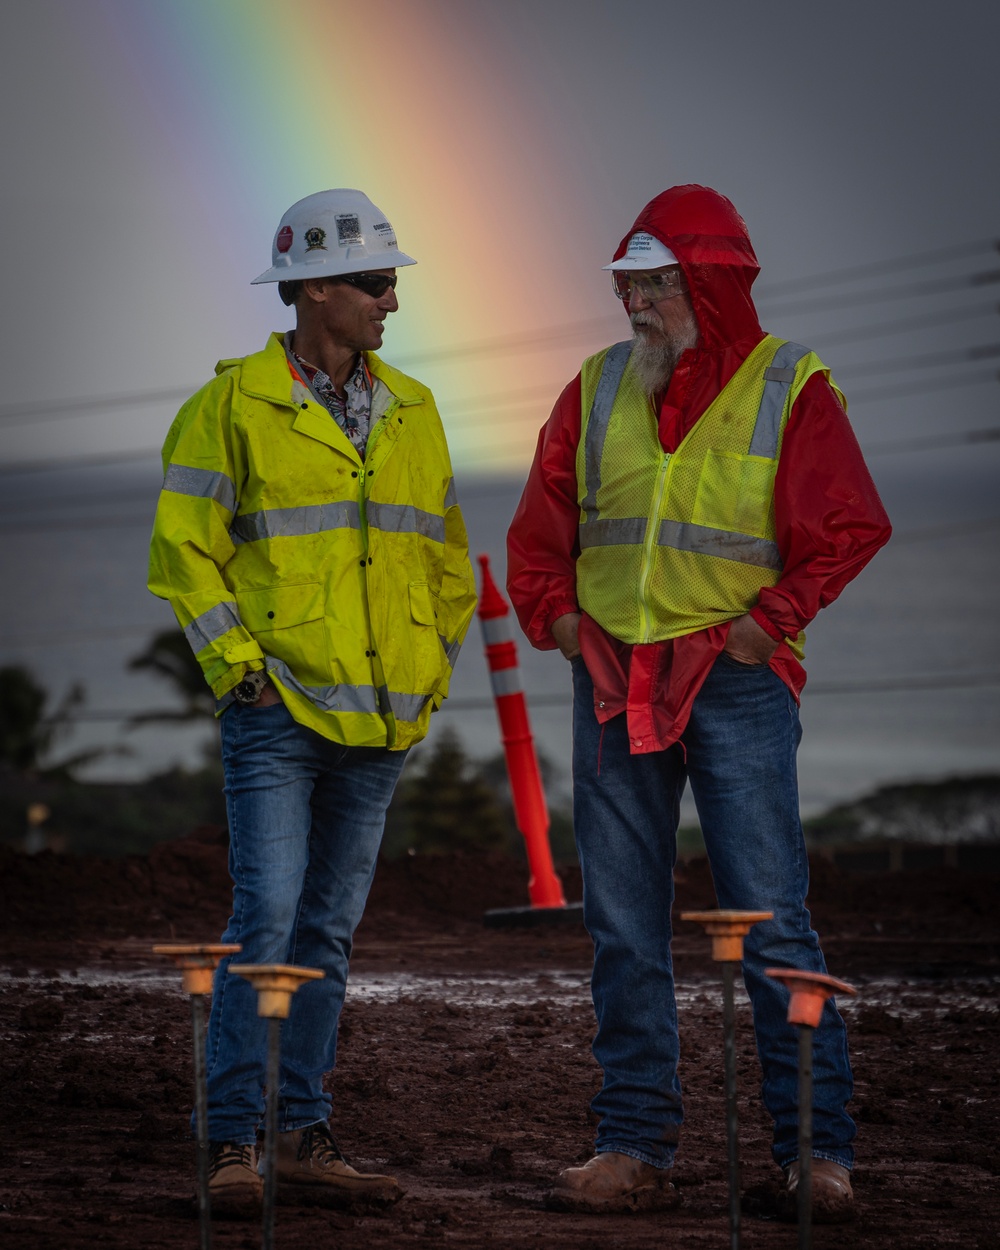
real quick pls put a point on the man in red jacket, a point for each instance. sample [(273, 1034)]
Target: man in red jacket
[(697, 495)]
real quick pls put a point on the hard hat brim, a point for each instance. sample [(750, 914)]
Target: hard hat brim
[(333, 267), (644, 251)]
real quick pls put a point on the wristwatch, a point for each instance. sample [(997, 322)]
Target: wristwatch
[(249, 689)]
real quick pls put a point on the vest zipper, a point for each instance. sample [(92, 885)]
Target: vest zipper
[(649, 550)]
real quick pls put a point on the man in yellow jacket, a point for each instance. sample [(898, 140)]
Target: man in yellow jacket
[(310, 543)]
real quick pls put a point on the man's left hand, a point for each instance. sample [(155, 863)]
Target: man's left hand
[(748, 643)]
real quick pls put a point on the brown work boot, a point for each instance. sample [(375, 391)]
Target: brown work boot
[(311, 1166), (234, 1186), (612, 1182), (832, 1196)]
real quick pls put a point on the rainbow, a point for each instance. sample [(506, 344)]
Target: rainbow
[(267, 102)]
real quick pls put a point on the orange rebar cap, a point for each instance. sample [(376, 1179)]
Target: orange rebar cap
[(809, 991), (197, 962), (727, 929), (275, 984)]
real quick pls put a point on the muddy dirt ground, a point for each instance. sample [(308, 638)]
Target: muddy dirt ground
[(465, 1067)]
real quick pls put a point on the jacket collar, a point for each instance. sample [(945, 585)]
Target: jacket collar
[(265, 375)]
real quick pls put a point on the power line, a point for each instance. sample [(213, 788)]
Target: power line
[(899, 685), (957, 530), (928, 360), (82, 635), (95, 460), (920, 388), (927, 322), (932, 442), (543, 339), (46, 502), (939, 286), (914, 260), (35, 410)]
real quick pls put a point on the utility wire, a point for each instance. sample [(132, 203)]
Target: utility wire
[(932, 442), (928, 360), (958, 529), (914, 260), (929, 321), (920, 388), (544, 339), (901, 685), (47, 409), (95, 460), (939, 286)]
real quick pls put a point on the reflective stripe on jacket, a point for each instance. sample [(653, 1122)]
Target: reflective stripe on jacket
[(674, 543), (278, 547)]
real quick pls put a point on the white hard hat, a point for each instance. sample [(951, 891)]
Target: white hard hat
[(330, 233), (644, 252)]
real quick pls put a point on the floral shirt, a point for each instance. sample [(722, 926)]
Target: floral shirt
[(353, 411)]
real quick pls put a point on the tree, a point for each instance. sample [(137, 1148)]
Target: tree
[(445, 804), (27, 734), (169, 656)]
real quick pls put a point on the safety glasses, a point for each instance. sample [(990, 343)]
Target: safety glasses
[(651, 286), (373, 284)]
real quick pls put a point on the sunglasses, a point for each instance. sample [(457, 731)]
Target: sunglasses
[(373, 284), (651, 286)]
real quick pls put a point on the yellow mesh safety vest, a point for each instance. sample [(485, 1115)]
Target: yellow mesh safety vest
[(673, 543)]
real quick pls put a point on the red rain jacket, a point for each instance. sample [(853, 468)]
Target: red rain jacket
[(830, 520)]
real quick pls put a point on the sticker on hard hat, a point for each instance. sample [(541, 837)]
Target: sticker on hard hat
[(315, 239), (349, 230), (640, 244), (284, 240)]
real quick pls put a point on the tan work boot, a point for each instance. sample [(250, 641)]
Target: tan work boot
[(234, 1186), (309, 1161), (612, 1182), (832, 1196)]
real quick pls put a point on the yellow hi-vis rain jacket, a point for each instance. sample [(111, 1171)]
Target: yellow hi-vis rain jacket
[(279, 548)]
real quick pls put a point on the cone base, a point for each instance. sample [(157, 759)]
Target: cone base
[(526, 917)]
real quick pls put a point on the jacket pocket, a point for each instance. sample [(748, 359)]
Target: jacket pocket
[(425, 660), (288, 623), (422, 604), (735, 492)]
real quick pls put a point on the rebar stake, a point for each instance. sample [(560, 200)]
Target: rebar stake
[(275, 984), (197, 964), (727, 930), (809, 991)]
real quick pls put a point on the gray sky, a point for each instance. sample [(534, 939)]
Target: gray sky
[(153, 144)]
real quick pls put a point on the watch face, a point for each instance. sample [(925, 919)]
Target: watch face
[(247, 691)]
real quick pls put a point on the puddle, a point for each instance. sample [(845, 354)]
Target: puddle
[(903, 998)]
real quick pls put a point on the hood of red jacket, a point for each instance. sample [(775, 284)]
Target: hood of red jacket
[(712, 244)]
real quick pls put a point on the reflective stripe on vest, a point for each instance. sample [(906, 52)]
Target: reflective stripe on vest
[(600, 414)]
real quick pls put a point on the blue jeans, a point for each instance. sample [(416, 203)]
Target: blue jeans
[(305, 823), (740, 746)]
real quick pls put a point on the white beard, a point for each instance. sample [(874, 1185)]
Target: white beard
[(654, 353)]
